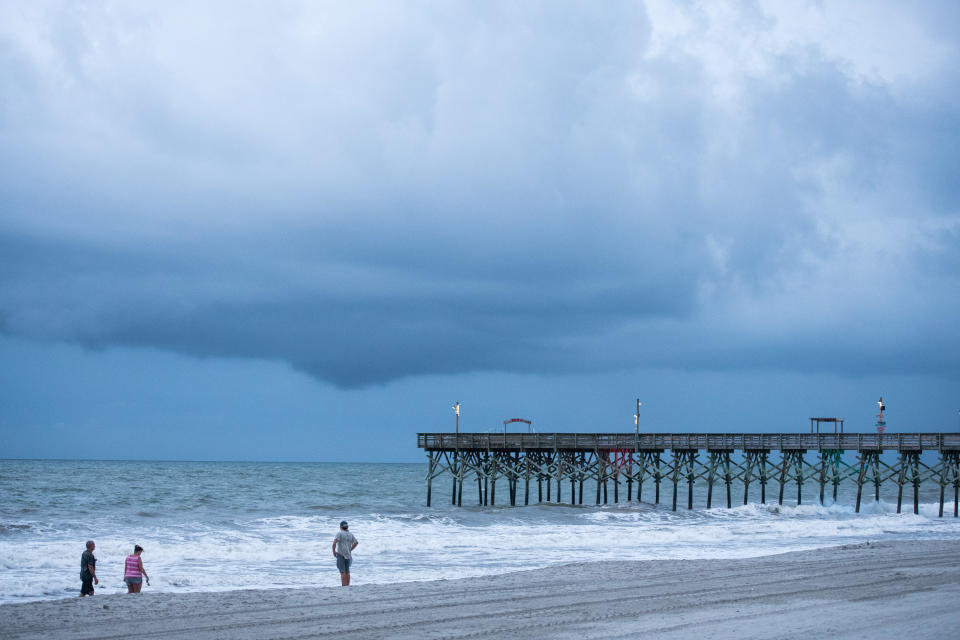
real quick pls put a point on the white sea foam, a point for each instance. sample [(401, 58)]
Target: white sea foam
[(244, 541)]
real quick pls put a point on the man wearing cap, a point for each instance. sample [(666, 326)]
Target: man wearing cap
[(343, 544)]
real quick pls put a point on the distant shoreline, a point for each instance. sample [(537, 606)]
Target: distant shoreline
[(892, 589)]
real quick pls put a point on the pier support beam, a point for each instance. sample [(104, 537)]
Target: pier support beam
[(684, 461), (526, 479), (749, 462), (908, 472), (829, 471), (657, 476), (949, 467), (718, 465), (711, 474), (430, 468), (755, 466), (727, 476), (869, 471)]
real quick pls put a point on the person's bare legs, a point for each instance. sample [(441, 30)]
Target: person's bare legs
[(344, 579), (136, 587)]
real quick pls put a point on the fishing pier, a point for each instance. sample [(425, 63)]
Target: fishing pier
[(728, 461)]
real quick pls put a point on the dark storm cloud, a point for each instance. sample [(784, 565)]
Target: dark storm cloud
[(369, 194)]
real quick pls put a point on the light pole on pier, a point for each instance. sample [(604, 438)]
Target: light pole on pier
[(636, 429), (456, 469), (636, 419), (881, 420)]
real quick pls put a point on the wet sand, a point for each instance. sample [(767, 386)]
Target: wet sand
[(883, 590)]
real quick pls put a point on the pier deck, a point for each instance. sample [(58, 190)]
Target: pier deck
[(518, 442), (706, 459)]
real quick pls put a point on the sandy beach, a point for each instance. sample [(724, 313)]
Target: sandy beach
[(871, 590)]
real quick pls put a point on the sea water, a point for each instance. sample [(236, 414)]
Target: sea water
[(216, 526)]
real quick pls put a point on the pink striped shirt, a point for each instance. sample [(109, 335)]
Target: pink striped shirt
[(132, 569)]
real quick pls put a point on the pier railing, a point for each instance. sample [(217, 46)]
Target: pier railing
[(687, 441)]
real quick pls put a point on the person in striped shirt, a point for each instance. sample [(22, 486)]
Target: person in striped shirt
[(132, 570)]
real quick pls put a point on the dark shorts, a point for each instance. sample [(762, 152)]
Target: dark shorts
[(343, 564), (86, 586), (131, 581)]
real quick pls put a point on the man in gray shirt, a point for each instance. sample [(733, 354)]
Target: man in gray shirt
[(343, 544), (88, 570)]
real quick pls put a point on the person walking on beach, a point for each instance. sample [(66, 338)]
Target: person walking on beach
[(132, 570), (88, 570), (343, 544)]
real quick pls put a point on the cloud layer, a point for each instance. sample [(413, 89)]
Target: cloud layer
[(375, 192)]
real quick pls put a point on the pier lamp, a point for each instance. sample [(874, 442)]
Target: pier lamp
[(636, 419), (456, 409)]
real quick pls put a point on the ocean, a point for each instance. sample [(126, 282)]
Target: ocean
[(218, 526)]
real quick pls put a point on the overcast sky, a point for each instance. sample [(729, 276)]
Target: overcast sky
[(301, 231)]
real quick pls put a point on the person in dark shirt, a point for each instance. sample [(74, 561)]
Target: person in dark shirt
[(88, 570)]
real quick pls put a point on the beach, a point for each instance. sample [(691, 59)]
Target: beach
[(875, 590)]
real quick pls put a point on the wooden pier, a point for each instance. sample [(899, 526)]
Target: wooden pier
[(725, 460)]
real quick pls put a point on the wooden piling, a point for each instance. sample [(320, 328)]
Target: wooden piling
[(823, 474), (675, 472), (641, 474), (798, 461), (430, 478), (763, 477), (526, 482), (727, 478), (901, 477), (876, 477), (711, 470), (860, 481), (599, 475), (783, 477), (656, 479)]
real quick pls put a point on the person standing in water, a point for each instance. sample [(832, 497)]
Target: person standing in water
[(133, 571), (88, 570), (343, 545)]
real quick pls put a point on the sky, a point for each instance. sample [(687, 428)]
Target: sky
[(303, 230)]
